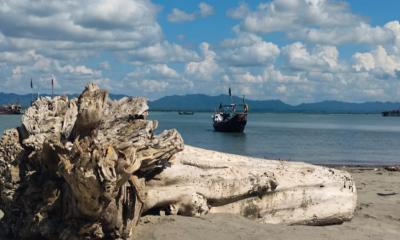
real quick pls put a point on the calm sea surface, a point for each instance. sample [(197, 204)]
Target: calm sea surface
[(315, 138)]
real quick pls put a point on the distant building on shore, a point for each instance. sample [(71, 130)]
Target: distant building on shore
[(391, 113)]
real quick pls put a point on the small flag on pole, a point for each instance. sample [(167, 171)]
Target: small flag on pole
[(52, 88), (31, 91)]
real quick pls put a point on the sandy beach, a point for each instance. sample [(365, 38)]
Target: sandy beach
[(377, 217)]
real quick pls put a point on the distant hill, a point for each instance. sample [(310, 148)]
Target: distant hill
[(345, 107), (8, 98), (202, 102), (25, 100)]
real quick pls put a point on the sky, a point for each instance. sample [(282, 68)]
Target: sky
[(292, 50)]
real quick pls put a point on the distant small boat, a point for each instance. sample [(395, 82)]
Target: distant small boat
[(10, 109), (185, 113), (230, 118), (392, 113)]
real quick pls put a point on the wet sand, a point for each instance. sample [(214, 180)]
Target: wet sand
[(377, 217)]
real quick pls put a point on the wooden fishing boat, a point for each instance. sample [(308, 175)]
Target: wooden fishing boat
[(10, 109), (185, 113), (230, 118), (230, 122)]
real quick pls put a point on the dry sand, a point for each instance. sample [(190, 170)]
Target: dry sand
[(376, 217)]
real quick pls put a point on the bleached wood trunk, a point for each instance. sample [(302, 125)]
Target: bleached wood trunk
[(200, 181)]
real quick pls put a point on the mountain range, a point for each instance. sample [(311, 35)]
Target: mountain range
[(202, 102)]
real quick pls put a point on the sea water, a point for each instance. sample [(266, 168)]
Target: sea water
[(366, 139), (316, 138), (9, 121)]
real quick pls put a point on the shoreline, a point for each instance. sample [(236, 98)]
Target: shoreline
[(376, 217), (358, 166)]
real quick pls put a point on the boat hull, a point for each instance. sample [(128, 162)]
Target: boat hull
[(235, 124)]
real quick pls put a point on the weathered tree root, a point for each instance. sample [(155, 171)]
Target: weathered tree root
[(88, 168), (76, 169)]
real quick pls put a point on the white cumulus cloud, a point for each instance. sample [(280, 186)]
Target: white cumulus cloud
[(249, 50), (163, 52), (315, 21), (322, 58), (206, 9), (379, 61), (207, 67), (178, 15)]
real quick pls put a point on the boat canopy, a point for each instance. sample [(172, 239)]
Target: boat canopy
[(233, 108)]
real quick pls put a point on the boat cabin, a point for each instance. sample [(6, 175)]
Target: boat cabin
[(225, 112)]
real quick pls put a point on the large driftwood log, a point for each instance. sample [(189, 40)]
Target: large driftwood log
[(200, 181), (89, 167)]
